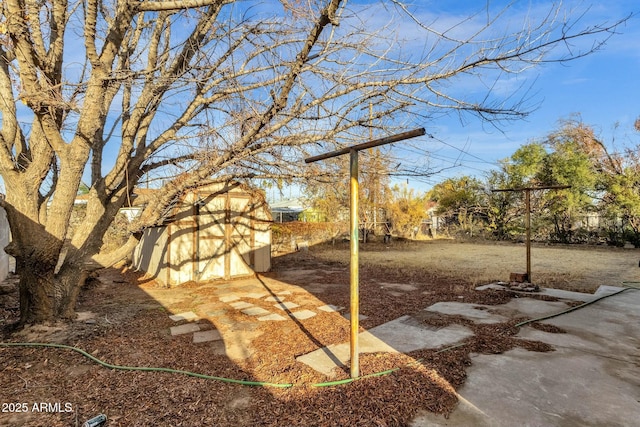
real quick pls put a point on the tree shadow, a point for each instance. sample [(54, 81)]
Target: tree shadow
[(124, 320)]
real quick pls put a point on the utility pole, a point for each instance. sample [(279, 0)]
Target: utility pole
[(527, 220), (354, 281)]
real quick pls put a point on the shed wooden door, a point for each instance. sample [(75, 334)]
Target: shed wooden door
[(224, 238), (210, 240)]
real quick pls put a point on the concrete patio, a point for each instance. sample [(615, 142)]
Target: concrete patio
[(591, 379)]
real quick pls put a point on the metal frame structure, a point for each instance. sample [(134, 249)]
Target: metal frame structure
[(527, 198), (353, 225)]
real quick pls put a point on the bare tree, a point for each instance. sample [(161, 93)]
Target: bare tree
[(120, 90)]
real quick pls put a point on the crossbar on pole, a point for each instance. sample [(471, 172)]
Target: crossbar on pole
[(370, 144)]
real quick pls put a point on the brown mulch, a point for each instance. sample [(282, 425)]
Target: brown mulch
[(545, 327), (131, 329)]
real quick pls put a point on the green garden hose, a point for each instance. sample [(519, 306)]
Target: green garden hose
[(145, 368), (526, 322), (284, 385)]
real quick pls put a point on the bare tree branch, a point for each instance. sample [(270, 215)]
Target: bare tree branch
[(194, 90)]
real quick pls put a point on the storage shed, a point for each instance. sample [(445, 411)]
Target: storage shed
[(217, 231)]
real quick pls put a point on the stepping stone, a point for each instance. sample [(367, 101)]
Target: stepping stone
[(329, 308), (240, 305), (206, 336), (255, 311), (304, 314), (283, 293), (189, 315), (275, 299), (229, 298), (286, 305), (273, 316), (184, 329)]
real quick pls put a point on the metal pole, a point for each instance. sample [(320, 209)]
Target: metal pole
[(527, 199), (354, 279)]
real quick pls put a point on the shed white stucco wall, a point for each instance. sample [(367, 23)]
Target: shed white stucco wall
[(215, 232)]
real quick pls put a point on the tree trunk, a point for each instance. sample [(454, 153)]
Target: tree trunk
[(45, 296)]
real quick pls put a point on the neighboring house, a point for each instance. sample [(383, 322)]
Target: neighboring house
[(298, 209), (215, 231), (287, 210), (130, 212)]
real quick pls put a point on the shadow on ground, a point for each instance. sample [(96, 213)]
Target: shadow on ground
[(125, 320), (253, 330)]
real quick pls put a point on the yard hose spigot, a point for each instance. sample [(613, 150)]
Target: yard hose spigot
[(97, 421)]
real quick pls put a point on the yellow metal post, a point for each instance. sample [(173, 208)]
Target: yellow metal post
[(354, 271)]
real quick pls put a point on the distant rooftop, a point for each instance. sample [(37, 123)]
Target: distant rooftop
[(296, 204)]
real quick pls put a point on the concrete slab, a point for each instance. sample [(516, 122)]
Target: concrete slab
[(360, 316), (189, 315), (531, 307), (592, 378), (255, 311), (187, 328), (476, 312), (404, 287), (206, 336), (286, 305), (276, 298), (523, 388), (303, 314), (229, 298), (486, 314), (555, 293), (607, 290), (400, 335), (271, 317), (327, 359), (406, 334), (239, 305), (498, 286)]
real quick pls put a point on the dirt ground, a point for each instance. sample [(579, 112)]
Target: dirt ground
[(124, 321)]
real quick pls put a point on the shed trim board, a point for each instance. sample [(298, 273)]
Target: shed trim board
[(219, 234)]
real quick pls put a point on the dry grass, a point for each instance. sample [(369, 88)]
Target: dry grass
[(579, 268)]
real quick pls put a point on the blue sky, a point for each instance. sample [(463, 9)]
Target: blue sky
[(602, 88)]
